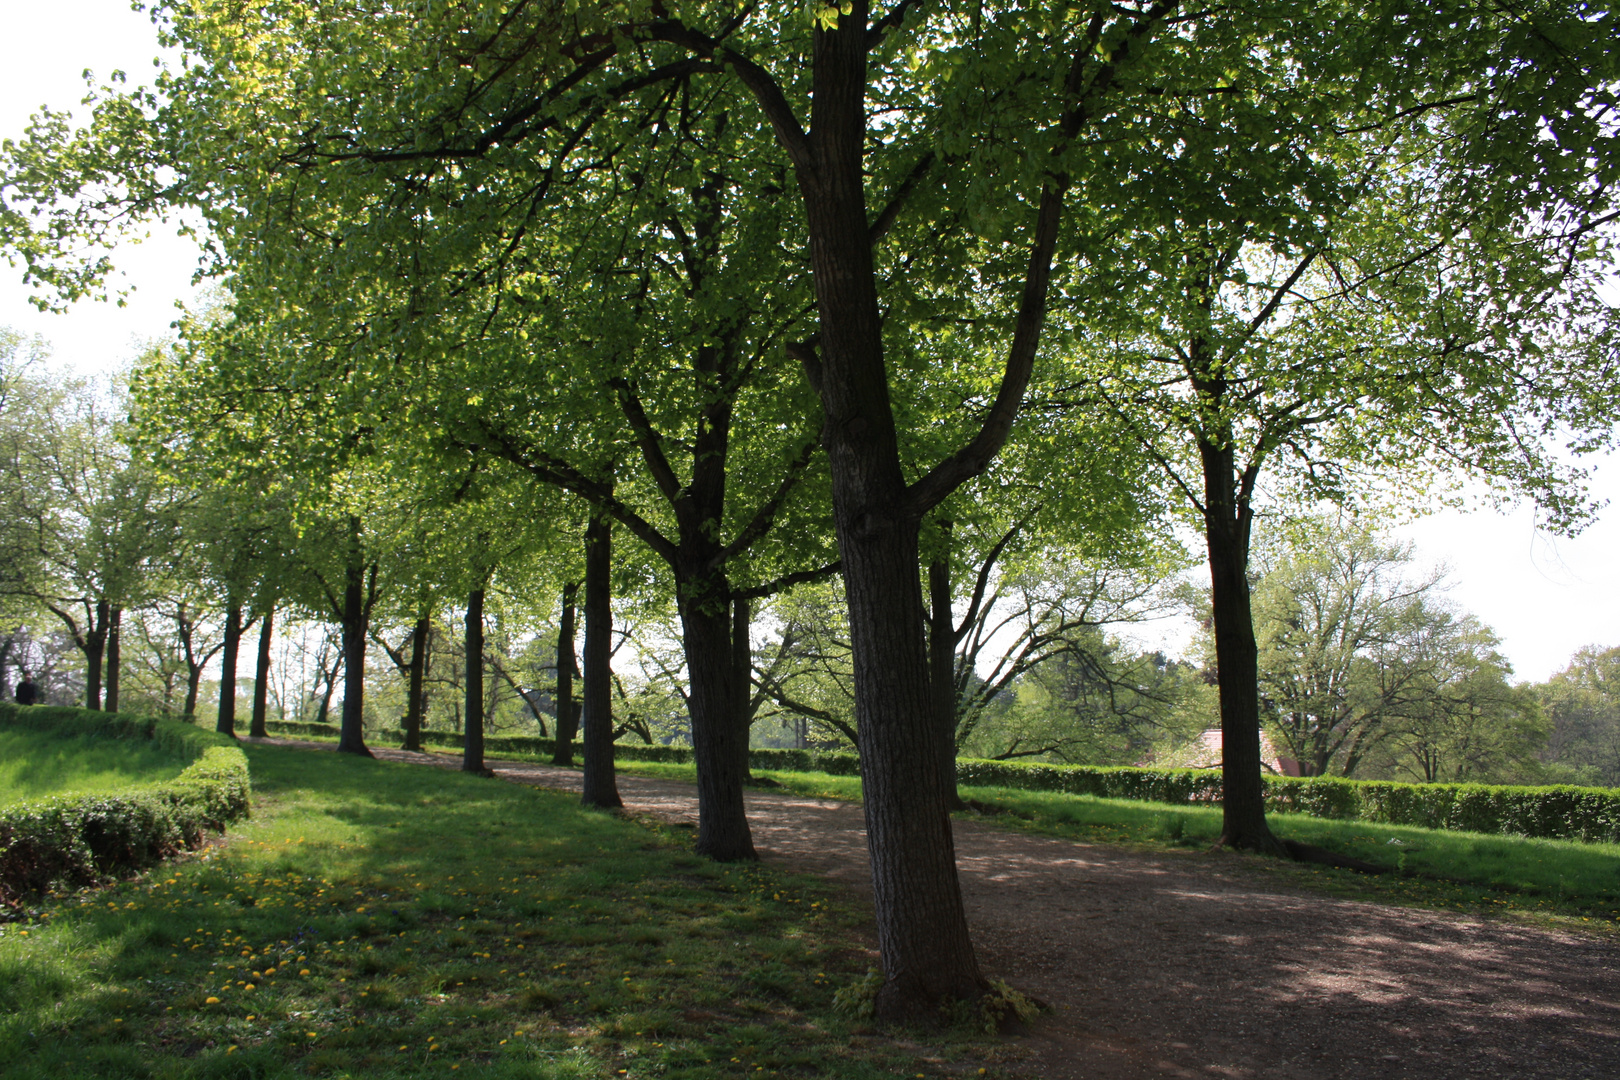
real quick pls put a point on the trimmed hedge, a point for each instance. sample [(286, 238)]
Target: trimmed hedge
[(70, 840), (1569, 813), (836, 762), (1562, 812)]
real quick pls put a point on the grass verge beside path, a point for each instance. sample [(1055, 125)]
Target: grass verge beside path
[(380, 920), (34, 764), (1561, 881)]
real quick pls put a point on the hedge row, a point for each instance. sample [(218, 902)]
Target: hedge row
[(1562, 812), (1573, 813), (65, 841), (837, 763)]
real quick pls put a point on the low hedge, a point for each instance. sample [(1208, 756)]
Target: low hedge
[(1570, 813), (65, 841), (836, 762), (1562, 812)]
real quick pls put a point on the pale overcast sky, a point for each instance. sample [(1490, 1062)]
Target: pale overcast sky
[(1545, 596)]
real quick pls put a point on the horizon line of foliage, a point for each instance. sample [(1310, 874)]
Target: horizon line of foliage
[(78, 839)]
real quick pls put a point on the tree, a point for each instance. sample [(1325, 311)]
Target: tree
[(1340, 621), (1582, 705)]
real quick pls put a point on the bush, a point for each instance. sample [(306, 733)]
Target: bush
[(66, 841)]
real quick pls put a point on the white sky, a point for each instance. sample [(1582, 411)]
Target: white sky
[(1545, 596)]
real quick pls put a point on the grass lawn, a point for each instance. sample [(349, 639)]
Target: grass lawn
[(1562, 881), (379, 920), (35, 764)]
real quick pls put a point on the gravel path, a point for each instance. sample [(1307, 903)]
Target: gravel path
[(1184, 965)]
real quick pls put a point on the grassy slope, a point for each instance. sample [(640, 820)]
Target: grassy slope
[(33, 765), (380, 920), (1569, 882)]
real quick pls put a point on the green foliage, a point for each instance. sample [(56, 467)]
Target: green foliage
[(34, 765), (71, 840), (1582, 706)]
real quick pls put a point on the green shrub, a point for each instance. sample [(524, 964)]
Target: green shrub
[(70, 840), (1565, 813)]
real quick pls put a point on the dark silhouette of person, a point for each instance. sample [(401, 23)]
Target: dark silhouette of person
[(27, 690)]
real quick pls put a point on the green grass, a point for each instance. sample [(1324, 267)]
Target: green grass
[(381, 920), (35, 764), (1565, 881)]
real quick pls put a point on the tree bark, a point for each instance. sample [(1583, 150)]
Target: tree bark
[(942, 672), (95, 647), (567, 669), (115, 626), (601, 789), (742, 664), (351, 736), (418, 672), (226, 722), (261, 678), (472, 754), (717, 749), (1227, 520)]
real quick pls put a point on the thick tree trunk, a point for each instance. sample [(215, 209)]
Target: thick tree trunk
[(115, 627), (95, 649), (261, 678), (351, 736), (717, 749), (942, 673), (472, 754), (418, 672), (928, 958), (226, 722), (567, 669), (1226, 533), (601, 789)]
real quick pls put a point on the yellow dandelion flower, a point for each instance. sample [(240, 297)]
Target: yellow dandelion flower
[(212, 1001)]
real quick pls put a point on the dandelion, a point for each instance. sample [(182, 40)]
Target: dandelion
[(212, 1001)]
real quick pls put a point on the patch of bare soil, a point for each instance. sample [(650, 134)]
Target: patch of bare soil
[(1197, 965)]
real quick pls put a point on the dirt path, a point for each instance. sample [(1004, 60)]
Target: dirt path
[(1169, 965)]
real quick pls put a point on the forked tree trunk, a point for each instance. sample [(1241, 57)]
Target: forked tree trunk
[(115, 626), (472, 754), (942, 673), (351, 735), (601, 789), (717, 749), (1226, 533), (922, 931), (226, 722), (261, 678), (567, 669), (418, 672)]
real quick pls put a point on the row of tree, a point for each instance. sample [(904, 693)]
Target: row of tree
[(773, 295)]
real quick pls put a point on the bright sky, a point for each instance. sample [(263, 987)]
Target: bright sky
[(1545, 596)]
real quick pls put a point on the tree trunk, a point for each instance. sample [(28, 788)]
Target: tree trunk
[(351, 736), (115, 626), (742, 688), (418, 672), (922, 930), (601, 789), (1227, 521), (226, 722), (472, 754), (261, 678), (717, 749), (567, 669), (942, 673), (95, 647)]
